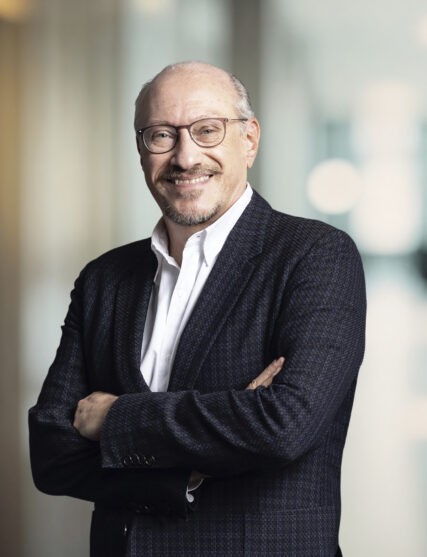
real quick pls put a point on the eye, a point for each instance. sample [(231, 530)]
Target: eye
[(206, 130), (209, 128), (159, 134)]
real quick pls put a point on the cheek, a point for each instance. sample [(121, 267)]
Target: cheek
[(235, 156), (235, 165), (152, 168), (145, 164)]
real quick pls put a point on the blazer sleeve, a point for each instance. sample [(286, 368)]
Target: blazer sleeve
[(320, 330), (65, 463)]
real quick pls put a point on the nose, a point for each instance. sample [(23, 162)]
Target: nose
[(186, 153)]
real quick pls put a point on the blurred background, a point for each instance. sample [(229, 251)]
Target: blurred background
[(340, 90)]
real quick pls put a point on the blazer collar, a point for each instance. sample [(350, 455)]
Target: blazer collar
[(131, 306), (228, 278)]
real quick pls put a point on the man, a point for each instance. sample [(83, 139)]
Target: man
[(151, 409)]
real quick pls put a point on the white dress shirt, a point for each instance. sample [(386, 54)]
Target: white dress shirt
[(175, 291)]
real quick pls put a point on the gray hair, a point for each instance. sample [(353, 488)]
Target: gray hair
[(243, 104)]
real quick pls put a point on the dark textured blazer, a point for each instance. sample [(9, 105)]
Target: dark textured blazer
[(281, 285)]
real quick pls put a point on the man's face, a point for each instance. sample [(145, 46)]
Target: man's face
[(195, 185)]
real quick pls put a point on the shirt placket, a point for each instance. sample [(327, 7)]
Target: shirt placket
[(179, 299)]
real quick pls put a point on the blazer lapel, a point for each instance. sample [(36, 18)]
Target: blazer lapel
[(131, 308), (227, 280)]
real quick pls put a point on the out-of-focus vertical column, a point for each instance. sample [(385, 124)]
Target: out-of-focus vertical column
[(10, 524), (246, 57), (286, 107), (68, 94)]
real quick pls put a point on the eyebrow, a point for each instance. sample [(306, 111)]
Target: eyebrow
[(165, 123)]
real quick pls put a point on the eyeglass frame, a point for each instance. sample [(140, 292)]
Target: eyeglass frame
[(224, 121)]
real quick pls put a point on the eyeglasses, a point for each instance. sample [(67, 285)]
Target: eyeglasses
[(208, 132)]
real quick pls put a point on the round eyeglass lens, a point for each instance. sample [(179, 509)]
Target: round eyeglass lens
[(208, 132), (159, 138)]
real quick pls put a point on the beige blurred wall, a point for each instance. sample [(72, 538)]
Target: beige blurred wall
[(10, 509), (69, 84), (57, 87)]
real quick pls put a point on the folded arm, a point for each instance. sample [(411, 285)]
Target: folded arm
[(64, 431), (92, 410), (65, 463), (320, 330)]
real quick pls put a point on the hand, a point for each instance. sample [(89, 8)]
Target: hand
[(91, 412), (266, 377)]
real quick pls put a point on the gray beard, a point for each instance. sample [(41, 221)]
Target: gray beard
[(190, 218)]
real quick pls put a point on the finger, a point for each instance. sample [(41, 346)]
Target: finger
[(266, 377), (78, 414), (280, 363), (252, 385), (262, 377)]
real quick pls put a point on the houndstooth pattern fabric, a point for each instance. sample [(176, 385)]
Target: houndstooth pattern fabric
[(282, 285)]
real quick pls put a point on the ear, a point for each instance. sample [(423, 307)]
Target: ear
[(138, 146), (253, 133)]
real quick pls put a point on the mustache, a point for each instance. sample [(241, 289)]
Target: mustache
[(194, 172)]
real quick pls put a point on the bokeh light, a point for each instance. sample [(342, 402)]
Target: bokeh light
[(334, 186)]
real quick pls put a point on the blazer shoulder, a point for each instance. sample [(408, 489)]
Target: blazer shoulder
[(298, 235), (118, 262)]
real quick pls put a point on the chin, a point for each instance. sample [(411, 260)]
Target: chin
[(191, 217)]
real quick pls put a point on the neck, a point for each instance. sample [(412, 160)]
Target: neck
[(178, 236)]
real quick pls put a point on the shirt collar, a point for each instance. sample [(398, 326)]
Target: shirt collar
[(212, 238), (160, 246), (216, 234)]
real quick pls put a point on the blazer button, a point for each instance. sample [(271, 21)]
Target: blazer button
[(135, 459), (143, 509), (126, 461), (149, 460)]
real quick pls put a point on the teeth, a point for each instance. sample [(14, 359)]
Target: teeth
[(193, 181)]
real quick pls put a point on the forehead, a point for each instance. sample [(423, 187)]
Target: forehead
[(180, 97)]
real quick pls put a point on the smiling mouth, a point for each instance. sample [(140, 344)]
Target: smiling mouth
[(190, 181)]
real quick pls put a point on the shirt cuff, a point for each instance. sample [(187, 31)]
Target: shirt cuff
[(190, 496)]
